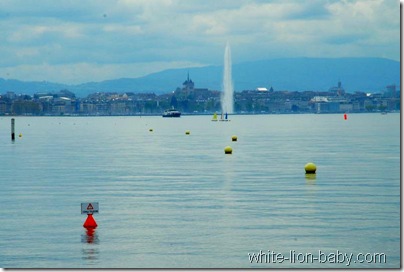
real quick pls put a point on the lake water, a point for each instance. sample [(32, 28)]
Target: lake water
[(171, 200)]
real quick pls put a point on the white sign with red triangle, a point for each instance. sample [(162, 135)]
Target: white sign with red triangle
[(89, 207)]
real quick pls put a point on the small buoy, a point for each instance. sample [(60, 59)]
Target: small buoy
[(228, 150), (20, 135), (310, 168), (187, 132), (90, 222), (234, 138), (151, 130), (345, 116)]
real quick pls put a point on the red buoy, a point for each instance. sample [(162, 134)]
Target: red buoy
[(90, 222), (345, 116)]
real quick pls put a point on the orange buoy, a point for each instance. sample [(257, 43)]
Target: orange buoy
[(90, 222)]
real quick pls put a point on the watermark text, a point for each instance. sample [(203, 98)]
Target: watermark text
[(320, 257)]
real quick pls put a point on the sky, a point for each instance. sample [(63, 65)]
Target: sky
[(77, 41)]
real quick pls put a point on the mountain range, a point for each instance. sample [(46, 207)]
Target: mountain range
[(292, 74)]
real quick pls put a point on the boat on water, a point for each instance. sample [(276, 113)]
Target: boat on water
[(171, 113), (222, 117), (225, 117)]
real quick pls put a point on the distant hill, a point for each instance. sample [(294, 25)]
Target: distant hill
[(293, 74), (29, 87)]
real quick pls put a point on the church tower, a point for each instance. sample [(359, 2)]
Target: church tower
[(188, 84)]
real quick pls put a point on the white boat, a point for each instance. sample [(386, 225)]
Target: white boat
[(171, 113)]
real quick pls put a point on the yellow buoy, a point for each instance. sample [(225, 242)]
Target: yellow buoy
[(234, 138), (187, 132), (228, 150), (310, 168), (20, 135)]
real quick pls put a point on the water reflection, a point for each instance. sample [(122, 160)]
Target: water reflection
[(90, 238), (310, 179), (90, 254)]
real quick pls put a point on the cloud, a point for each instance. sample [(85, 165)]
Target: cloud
[(146, 36)]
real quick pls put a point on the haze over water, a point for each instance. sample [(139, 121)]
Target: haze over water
[(170, 200)]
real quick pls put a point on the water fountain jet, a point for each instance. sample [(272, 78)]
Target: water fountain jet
[(227, 87)]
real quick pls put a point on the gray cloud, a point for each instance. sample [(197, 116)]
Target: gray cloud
[(76, 41)]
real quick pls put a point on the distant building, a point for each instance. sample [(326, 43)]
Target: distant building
[(391, 91), (337, 90), (10, 95), (317, 99), (261, 89), (188, 84)]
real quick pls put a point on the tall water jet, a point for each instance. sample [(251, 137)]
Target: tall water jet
[(227, 88)]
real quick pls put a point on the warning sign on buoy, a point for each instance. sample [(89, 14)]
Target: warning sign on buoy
[(89, 208)]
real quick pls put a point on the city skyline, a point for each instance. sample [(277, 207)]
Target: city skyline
[(191, 100), (73, 42)]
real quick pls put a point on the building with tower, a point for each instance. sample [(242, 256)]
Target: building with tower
[(188, 84), (338, 90)]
